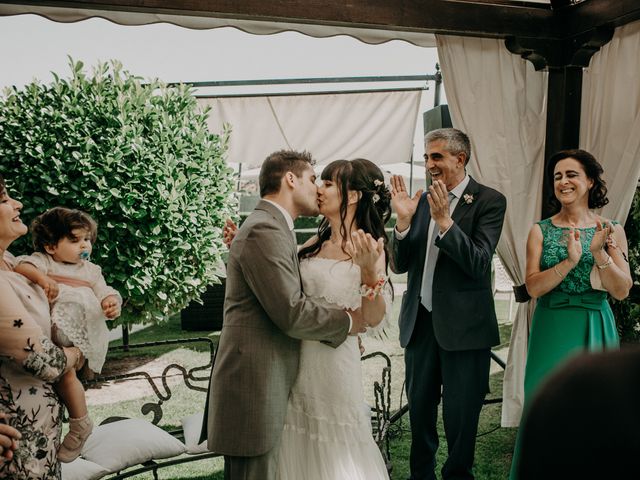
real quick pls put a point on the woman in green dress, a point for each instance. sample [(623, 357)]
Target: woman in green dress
[(574, 258)]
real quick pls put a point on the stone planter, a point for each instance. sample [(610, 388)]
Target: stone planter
[(208, 316)]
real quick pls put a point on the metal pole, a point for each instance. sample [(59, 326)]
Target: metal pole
[(289, 81), (411, 176), (301, 94), (438, 81)]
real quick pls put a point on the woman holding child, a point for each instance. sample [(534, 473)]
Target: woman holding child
[(31, 365)]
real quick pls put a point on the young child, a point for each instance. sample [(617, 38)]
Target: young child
[(81, 302)]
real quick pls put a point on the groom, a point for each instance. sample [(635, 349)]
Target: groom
[(265, 316), (445, 240)]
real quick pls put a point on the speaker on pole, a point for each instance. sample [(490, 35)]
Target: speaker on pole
[(437, 117)]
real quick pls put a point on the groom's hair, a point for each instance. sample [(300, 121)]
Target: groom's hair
[(277, 164)]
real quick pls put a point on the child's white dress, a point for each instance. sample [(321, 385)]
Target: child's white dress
[(77, 312)]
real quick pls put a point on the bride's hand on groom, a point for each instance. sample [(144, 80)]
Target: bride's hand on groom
[(365, 252)]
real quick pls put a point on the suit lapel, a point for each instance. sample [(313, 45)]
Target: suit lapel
[(272, 210), (278, 217), (463, 207)]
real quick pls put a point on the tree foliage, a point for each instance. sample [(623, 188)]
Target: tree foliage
[(627, 311), (137, 157)]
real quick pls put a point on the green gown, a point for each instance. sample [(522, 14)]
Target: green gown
[(570, 319)]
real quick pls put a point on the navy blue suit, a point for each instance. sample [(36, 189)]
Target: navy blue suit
[(449, 347)]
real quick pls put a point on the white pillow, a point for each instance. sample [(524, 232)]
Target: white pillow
[(81, 469), (192, 426), (129, 442)]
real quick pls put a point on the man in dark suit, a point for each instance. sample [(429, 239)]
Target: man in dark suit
[(584, 422), (265, 316), (445, 240)]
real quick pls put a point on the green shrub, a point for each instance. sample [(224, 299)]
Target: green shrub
[(138, 158), (627, 312)]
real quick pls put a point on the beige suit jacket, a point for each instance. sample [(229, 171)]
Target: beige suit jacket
[(265, 316)]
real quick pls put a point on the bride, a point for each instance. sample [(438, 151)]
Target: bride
[(327, 433)]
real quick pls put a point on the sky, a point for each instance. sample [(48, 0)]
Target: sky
[(31, 47)]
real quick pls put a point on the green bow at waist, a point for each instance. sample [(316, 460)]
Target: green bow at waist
[(589, 300)]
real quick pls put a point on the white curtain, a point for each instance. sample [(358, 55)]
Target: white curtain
[(610, 118), (70, 14), (499, 100), (378, 126)]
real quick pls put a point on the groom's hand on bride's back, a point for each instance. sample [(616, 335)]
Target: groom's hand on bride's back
[(358, 323)]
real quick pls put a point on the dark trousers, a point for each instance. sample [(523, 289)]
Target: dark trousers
[(461, 378)]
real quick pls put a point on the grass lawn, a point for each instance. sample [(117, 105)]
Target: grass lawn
[(493, 450)]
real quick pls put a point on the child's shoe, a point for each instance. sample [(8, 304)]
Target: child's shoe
[(79, 431)]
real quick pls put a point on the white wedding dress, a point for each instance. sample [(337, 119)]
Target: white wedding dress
[(327, 433)]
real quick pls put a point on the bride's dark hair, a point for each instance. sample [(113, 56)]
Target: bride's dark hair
[(373, 209)]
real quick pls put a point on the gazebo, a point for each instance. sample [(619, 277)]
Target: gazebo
[(524, 78)]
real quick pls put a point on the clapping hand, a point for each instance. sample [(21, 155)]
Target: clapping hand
[(438, 199), (365, 252), (574, 247), (404, 205), (603, 232), (229, 232)]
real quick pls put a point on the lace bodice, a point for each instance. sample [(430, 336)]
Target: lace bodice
[(337, 283), (554, 250)]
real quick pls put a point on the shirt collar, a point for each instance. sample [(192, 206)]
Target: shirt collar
[(460, 188), (287, 215)]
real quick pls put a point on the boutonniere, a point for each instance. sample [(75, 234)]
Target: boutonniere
[(468, 198)]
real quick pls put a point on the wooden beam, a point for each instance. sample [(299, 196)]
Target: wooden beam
[(480, 18), (574, 51), (587, 15), (558, 20), (564, 96)]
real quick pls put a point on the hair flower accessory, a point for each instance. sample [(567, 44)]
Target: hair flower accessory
[(378, 183), (375, 198), (468, 198)]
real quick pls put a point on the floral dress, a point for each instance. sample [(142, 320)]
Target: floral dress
[(29, 364)]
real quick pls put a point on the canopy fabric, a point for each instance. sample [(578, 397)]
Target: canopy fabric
[(366, 35), (378, 126), (499, 100), (610, 119), (514, 98)]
